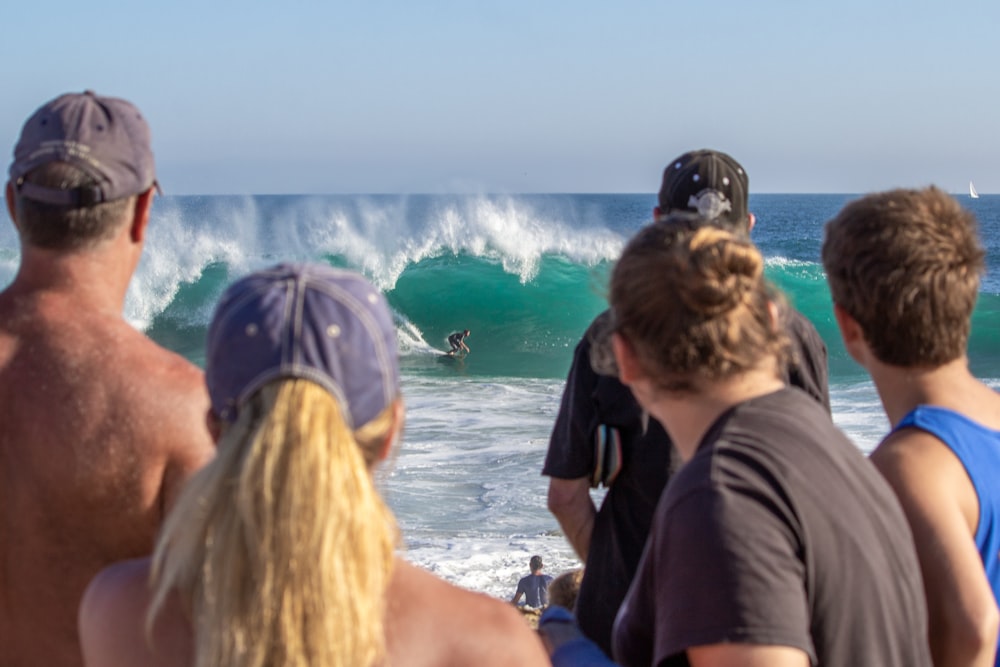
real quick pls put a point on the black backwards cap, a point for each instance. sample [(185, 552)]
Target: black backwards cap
[(105, 137), (709, 183)]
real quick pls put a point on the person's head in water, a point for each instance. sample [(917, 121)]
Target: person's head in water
[(301, 367), (535, 564)]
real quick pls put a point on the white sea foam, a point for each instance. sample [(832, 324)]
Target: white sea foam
[(379, 236), (466, 483)]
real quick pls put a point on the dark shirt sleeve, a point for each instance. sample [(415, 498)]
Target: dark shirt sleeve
[(808, 367), (733, 574), (571, 451)]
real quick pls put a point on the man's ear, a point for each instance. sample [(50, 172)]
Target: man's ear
[(398, 417), (140, 215), (214, 425), (751, 221), (851, 333), (774, 315), (629, 369), (9, 198), (656, 213)]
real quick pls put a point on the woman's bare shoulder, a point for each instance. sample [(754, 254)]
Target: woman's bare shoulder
[(112, 621), (428, 616)]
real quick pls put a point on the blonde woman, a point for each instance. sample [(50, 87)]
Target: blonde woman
[(281, 551), (777, 543)]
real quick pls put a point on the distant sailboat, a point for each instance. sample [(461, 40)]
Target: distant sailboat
[(972, 191)]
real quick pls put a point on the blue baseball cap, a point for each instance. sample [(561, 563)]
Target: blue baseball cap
[(330, 326), (105, 137)]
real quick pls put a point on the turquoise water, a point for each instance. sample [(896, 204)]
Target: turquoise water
[(525, 274)]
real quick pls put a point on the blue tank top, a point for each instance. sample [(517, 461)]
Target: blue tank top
[(978, 448)]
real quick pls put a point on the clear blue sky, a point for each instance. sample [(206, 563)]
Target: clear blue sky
[(527, 96)]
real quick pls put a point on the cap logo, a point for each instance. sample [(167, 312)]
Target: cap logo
[(710, 204)]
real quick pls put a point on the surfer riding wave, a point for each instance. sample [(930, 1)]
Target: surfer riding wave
[(457, 342)]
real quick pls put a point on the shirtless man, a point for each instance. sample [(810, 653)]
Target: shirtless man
[(98, 425)]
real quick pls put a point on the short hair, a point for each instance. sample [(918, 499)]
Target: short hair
[(564, 589), (691, 300), (535, 563), (906, 265), (61, 227)]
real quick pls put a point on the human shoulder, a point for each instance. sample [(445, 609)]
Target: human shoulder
[(745, 451), (165, 400), (912, 453), (924, 472), (112, 619), (428, 616), (117, 591)]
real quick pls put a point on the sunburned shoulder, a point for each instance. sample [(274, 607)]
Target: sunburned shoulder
[(429, 616), (103, 341)]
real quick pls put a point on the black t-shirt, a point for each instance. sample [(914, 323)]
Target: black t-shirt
[(623, 520), (777, 531), (648, 459), (807, 369)]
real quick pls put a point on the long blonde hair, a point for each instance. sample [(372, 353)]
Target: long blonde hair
[(281, 548)]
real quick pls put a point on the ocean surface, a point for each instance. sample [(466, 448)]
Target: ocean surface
[(525, 274)]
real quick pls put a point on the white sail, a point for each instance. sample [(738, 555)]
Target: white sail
[(972, 191)]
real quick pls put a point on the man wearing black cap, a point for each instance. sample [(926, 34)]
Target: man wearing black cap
[(602, 437), (98, 425)]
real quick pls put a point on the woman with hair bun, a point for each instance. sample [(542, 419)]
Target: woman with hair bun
[(281, 550), (776, 543)]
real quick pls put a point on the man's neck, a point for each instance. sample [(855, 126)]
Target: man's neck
[(903, 388), (687, 417), (96, 279)]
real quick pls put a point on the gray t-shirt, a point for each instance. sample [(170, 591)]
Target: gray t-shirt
[(535, 588), (778, 531)]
